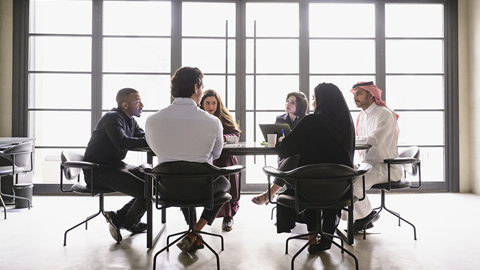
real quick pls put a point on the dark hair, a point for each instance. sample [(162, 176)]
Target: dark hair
[(301, 103), (222, 112), (182, 83), (123, 95)]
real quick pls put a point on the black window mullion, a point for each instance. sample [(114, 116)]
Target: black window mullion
[(452, 138), (176, 39), (240, 76), (380, 67), (97, 57), (304, 52), (20, 68)]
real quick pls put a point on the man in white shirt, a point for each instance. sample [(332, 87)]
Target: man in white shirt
[(184, 132), (376, 125)]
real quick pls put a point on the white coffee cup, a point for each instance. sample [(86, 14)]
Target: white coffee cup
[(231, 139), (272, 139)]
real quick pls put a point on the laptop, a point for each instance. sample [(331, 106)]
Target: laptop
[(274, 129)]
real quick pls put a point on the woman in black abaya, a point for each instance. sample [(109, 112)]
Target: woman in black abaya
[(326, 136)]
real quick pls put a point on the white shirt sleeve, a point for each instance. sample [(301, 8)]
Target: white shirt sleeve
[(218, 146)]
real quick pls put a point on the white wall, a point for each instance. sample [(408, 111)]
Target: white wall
[(6, 22), (473, 17)]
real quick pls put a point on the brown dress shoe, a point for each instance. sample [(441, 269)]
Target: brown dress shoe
[(198, 244)]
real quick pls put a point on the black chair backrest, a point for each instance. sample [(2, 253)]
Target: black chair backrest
[(22, 153), (196, 176), (411, 152), (322, 183), (69, 172)]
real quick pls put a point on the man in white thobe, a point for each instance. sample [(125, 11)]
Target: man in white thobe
[(376, 125)]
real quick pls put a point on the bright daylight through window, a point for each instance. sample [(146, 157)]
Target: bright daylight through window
[(252, 56)]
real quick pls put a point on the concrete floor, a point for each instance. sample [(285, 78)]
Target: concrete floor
[(446, 223)]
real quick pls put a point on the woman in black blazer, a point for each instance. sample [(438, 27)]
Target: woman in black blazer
[(296, 107)]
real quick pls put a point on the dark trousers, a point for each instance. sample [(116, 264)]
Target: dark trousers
[(286, 218), (221, 185), (128, 180)]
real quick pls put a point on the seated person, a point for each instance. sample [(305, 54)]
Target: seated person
[(380, 130), (212, 103), (326, 136), (296, 107), (115, 133), (184, 132)]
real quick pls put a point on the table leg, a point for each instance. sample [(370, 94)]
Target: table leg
[(348, 237), (151, 238)]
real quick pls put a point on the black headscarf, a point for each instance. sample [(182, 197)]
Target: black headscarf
[(333, 110)]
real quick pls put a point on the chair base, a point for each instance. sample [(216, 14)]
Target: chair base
[(11, 196), (383, 206), (191, 212), (4, 207), (101, 210), (322, 234)]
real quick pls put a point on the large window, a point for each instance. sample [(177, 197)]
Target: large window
[(253, 53)]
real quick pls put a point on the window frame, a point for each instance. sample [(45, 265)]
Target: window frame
[(20, 55)]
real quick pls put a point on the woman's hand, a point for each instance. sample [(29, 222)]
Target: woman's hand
[(281, 138)]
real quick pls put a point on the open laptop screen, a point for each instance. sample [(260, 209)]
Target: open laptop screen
[(274, 129)]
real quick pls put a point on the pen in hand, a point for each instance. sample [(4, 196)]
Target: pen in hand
[(283, 136)]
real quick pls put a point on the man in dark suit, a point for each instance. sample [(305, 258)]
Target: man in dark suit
[(115, 133)]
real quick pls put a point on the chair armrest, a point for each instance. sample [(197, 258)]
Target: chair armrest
[(269, 170), (145, 168), (232, 169), (80, 164), (362, 169), (400, 160)]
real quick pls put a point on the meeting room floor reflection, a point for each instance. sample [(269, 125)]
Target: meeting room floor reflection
[(447, 238)]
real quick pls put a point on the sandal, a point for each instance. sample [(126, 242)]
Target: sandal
[(261, 199)]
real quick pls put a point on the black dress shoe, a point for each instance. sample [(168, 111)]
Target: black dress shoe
[(321, 246), (185, 244), (138, 228), (114, 225), (359, 224), (227, 224)]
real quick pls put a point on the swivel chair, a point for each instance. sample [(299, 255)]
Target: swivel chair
[(71, 167), (318, 187), (195, 179), (409, 159), (13, 161)]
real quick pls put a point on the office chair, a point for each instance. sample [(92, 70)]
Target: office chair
[(409, 159), (70, 167), (13, 161), (195, 179), (318, 187)]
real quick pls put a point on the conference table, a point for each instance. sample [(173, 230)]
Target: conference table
[(237, 149)]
